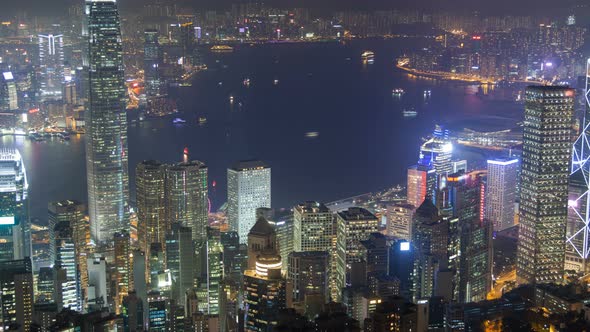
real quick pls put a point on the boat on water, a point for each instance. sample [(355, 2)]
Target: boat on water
[(231, 99), (398, 92), (427, 93), (222, 48), (246, 82), (409, 113), (202, 120), (178, 121), (275, 82), (368, 57), (312, 134)]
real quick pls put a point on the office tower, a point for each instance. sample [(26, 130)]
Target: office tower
[(45, 285), (73, 213), (51, 65), (352, 226), (308, 272), (282, 223), (139, 280), (248, 188), (44, 315), (158, 308), (429, 241), (106, 124), (180, 261), (313, 227), (473, 236), (399, 221), (578, 230), (187, 41), (67, 286), (132, 313), (214, 269), (15, 229), (394, 314), (16, 282), (459, 166), (421, 183), (123, 262), (151, 63), (438, 152), (188, 200), (97, 283), (150, 193), (401, 266), (156, 265), (8, 92), (261, 236), (231, 247), (375, 258), (544, 184), (501, 192), (265, 291)]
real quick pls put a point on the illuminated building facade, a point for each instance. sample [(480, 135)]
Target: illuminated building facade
[(158, 308), (214, 269), (352, 226), (309, 272), (8, 92), (123, 262), (106, 124), (51, 65), (15, 229), (578, 224), (151, 63), (150, 194), (545, 170), (248, 188), (421, 183), (180, 261), (501, 192), (437, 151), (188, 200), (16, 302), (399, 221), (66, 268)]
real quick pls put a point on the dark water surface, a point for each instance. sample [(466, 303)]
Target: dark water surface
[(364, 143)]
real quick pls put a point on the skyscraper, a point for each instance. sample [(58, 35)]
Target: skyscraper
[(421, 183), (308, 272), (51, 64), (106, 124), (180, 261), (151, 63), (123, 267), (15, 229), (67, 287), (150, 194), (353, 226), (8, 92), (248, 188), (399, 221), (214, 269), (438, 152), (544, 184), (188, 200), (313, 227), (501, 192), (16, 282)]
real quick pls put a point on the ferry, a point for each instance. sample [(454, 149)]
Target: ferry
[(202, 120), (275, 82), (231, 99), (312, 134), (409, 113), (398, 92), (246, 82), (178, 121), (427, 93), (222, 48), (368, 57)]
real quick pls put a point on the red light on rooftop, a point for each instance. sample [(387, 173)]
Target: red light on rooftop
[(476, 37)]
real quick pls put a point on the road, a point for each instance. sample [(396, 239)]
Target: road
[(499, 284)]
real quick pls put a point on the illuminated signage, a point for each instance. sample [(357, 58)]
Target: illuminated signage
[(7, 220), (404, 246)]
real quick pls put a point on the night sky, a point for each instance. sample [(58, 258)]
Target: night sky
[(40, 7)]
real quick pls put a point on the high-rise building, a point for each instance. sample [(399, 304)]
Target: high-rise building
[(15, 229), (188, 200), (546, 157), (421, 183), (73, 213), (123, 267), (308, 272), (158, 309), (132, 313), (265, 289), (16, 282), (438, 152), (150, 193), (51, 65), (501, 192), (151, 63), (180, 261), (313, 227), (97, 283), (248, 188), (352, 226), (399, 221), (106, 124), (8, 92), (67, 286), (214, 270)]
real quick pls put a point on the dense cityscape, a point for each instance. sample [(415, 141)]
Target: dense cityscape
[(486, 229)]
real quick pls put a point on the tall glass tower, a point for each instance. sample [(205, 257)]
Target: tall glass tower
[(106, 125), (546, 160), (15, 229)]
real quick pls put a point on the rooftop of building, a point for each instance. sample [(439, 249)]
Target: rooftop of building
[(246, 165), (312, 207), (309, 254), (261, 227), (356, 213)]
